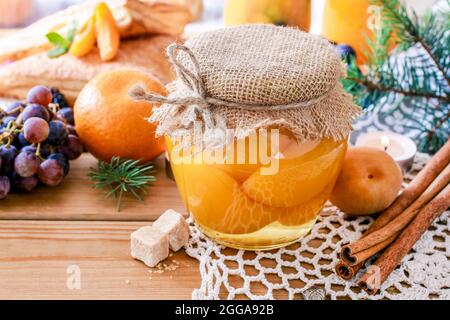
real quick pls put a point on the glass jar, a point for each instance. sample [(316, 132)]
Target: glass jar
[(257, 193), (296, 13), (16, 13), (256, 128), (346, 22)]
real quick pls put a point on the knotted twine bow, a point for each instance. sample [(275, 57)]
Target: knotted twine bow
[(198, 102)]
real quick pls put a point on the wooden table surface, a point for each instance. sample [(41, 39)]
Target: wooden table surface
[(47, 233), (44, 235)]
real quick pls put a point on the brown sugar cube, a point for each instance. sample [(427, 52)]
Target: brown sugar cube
[(173, 224), (149, 245)]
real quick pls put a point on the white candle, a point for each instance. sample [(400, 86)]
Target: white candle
[(399, 147)]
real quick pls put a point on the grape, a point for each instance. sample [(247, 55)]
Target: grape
[(45, 150), (29, 149), (26, 164), (59, 98), (7, 154), (40, 95), (16, 142), (4, 187), (73, 148), (51, 172), (35, 110), (61, 158), (7, 120), (14, 106), (71, 130), (22, 141), (23, 184), (346, 52), (66, 115), (36, 130), (58, 132)]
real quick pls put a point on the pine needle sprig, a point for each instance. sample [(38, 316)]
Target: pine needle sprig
[(121, 176), (415, 84), (428, 32)]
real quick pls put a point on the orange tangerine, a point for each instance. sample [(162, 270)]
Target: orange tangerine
[(110, 123)]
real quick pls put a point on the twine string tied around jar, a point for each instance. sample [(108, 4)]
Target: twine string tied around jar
[(198, 102)]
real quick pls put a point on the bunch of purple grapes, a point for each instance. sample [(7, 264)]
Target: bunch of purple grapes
[(37, 140)]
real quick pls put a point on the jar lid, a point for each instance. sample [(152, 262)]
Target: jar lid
[(254, 76), (264, 64)]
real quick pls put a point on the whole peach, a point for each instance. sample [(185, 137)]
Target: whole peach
[(369, 182)]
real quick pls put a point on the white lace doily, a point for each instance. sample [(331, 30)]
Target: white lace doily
[(305, 270)]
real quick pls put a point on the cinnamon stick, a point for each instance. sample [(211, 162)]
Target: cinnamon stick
[(417, 186), (425, 177), (367, 246), (345, 271), (367, 253), (393, 255)]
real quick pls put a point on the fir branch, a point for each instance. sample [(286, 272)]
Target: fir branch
[(409, 30), (379, 87), (438, 65), (122, 176), (438, 125), (415, 83)]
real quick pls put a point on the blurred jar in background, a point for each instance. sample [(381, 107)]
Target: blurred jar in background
[(345, 22), (15, 13), (351, 22), (279, 12), (194, 6)]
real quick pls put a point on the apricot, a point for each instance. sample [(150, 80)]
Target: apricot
[(299, 179), (369, 182), (107, 32), (85, 40)]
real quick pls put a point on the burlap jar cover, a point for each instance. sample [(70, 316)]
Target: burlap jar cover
[(250, 77)]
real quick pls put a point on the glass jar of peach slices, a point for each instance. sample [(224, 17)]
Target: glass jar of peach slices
[(266, 199), (256, 128)]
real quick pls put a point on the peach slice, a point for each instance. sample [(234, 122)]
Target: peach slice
[(243, 157), (216, 201), (308, 211), (298, 180), (107, 32), (294, 150), (85, 40)]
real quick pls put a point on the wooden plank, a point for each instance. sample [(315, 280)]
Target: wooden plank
[(75, 199), (35, 257)]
